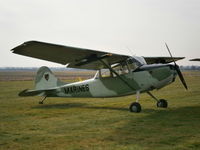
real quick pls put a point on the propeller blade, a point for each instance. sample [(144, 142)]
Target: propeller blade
[(181, 77), (170, 54), (177, 69)]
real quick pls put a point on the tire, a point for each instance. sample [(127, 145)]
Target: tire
[(162, 103), (135, 107)]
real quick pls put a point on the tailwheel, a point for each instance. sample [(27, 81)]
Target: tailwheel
[(162, 103), (135, 107), (41, 102)]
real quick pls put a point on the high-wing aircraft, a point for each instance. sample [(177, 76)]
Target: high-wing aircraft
[(117, 75)]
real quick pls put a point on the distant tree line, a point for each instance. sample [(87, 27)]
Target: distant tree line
[(72, 69), (25, 69), (190, 67)]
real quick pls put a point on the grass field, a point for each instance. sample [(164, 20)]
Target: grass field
[(101, 124)]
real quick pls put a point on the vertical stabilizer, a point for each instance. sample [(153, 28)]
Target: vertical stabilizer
[(45, 79)]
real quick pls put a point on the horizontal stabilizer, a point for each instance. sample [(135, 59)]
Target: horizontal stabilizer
[(36, 92)]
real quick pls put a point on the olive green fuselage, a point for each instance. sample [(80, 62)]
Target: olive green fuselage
[(144, 79)]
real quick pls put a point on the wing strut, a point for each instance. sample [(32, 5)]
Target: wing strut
[(112, 70), (150, 94)]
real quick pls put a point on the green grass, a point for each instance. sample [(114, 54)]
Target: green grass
[(101, 124)]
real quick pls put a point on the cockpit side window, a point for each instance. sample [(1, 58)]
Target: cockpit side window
[(124, 67), (121, 68)]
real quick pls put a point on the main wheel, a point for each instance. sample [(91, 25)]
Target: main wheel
[(135, 107), (162, 103)]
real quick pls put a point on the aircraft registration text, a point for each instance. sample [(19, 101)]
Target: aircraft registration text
[(77, 89)]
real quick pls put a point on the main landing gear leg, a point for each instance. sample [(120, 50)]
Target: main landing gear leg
[(41, 102), (162, 103), (136, 107)]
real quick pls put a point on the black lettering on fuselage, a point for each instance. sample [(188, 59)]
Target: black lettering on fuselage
[(76, 89)]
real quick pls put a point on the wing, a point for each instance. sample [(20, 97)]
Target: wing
[(162, 60), (66, 55), (196, 59)]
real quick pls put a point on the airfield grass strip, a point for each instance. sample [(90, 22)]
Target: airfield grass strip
[(101, 124)]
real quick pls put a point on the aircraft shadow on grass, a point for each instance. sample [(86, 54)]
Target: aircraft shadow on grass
[(159, 127), (159, 112), (60, 106), (77, 105)]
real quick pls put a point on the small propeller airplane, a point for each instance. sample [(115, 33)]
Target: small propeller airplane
[(117, 75)]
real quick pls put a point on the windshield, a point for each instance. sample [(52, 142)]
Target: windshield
[(133, 64)]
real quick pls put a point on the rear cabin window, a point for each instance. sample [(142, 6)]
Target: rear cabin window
[(106, 73)]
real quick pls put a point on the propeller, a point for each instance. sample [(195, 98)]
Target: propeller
[(178, 69)]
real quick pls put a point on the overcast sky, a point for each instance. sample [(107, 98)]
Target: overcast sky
[(133, 27)]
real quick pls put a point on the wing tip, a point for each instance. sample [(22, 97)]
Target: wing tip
[(195, 59), (23, 45)]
